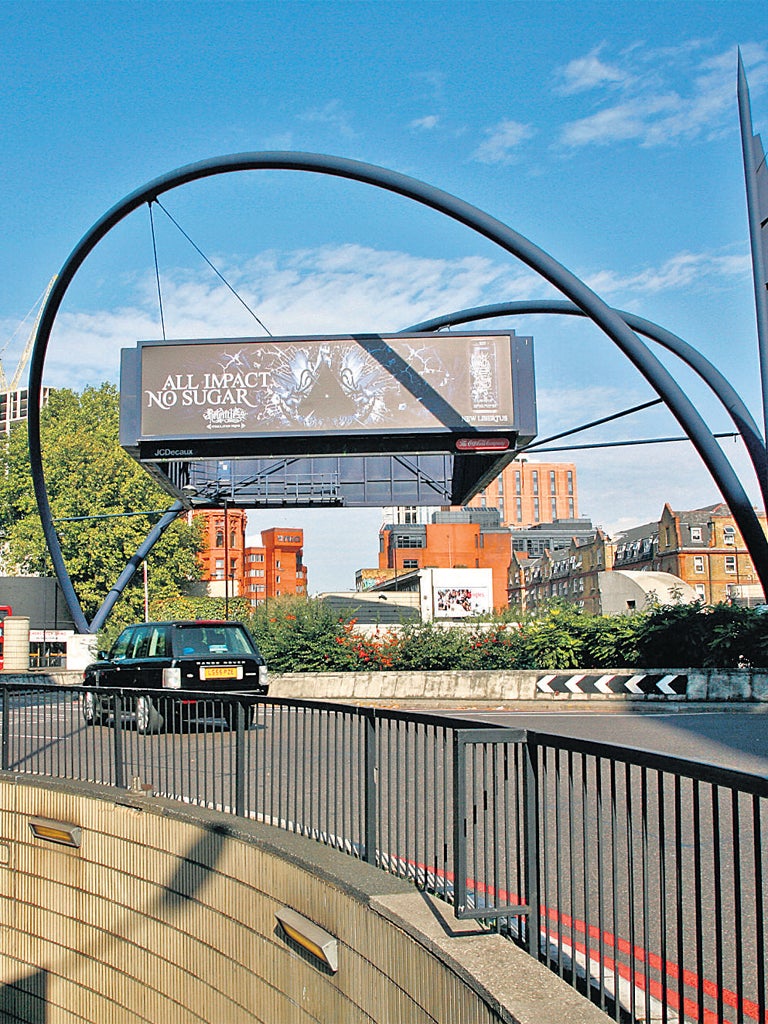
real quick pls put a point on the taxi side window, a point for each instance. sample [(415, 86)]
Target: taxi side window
[(122, 644), (157, 642), (141, 642)]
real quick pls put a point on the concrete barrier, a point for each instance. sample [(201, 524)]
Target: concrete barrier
[(165, 912), (636, 685), (677, 685)]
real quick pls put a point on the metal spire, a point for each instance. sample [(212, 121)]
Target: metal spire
[(756, 179)]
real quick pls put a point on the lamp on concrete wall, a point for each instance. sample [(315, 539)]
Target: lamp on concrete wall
[(61, 832), (311, 937)]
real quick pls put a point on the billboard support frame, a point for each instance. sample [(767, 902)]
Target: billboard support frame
[(604, 316)]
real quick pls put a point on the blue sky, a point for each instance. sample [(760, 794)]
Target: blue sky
[(607, 133)]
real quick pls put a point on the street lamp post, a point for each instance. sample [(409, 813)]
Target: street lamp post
[(226, 559)]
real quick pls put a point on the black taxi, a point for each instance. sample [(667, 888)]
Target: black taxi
[(213, 656)]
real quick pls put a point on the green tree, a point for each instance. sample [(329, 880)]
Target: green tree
[(88, 474)]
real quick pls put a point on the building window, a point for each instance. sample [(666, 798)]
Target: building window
[(696, 534), (409, 514), (406, 541), (701, 591), (519, 509), (410, 563), (219, 539), (500, 483), (553, 508), (730, 563), (552, 487), (536, 509), (570, 481), (698, 563), (517, 482), (729, 535), (535, 479), (571, 511)]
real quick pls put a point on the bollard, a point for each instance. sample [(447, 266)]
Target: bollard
[(16, 643)]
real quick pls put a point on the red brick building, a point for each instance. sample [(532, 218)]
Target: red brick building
[(272, 567)]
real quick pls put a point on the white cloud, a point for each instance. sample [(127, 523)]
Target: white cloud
[(331, 114), (331, 290), (589, 72), (684, 270), (631, 120), (501, 142), (431, 83), (652, 110), (425, 123)]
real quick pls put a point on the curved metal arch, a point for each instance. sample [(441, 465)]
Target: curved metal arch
[(720, 386), (443, 202)]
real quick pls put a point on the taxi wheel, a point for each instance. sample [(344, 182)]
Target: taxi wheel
[(148, 719)]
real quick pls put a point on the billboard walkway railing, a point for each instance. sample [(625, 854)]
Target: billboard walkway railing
[(638, 877)]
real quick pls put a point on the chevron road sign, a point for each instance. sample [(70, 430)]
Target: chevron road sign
[(643, 684)]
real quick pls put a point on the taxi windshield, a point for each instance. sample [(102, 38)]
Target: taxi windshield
[(203, 639)]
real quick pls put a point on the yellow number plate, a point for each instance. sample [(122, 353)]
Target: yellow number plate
[(220, 672)]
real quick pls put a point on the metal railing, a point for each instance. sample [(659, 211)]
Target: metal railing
[(635, 876)]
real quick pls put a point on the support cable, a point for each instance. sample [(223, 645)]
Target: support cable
[(627, 444), (157, 268), (221, 277), (594, 423)]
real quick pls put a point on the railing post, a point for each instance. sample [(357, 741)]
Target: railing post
[(531, 844), (118, 741), (240, 759), (6, 727), (370, 811), (459, 824)]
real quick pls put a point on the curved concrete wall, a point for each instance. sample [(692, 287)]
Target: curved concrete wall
[(166, 913)]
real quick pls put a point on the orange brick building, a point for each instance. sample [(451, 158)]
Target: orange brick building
[(465, 538), (705, 548), (273, 567), (702, 547), (527, 493)]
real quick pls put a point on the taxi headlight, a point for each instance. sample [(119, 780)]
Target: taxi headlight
[(172, 678)]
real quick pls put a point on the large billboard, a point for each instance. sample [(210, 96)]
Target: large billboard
[(377, 392)]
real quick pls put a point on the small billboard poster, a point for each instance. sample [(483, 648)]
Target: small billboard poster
[(461, 602)]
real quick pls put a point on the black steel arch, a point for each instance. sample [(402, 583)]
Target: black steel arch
[(740, 415), (443, 202)]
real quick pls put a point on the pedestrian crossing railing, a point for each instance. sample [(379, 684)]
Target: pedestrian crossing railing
[(636, 876)]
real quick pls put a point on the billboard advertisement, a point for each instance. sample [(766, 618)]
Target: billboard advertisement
[(461, 602), (348, 385)]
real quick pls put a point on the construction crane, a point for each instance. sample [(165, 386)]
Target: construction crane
[(13, 383)]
